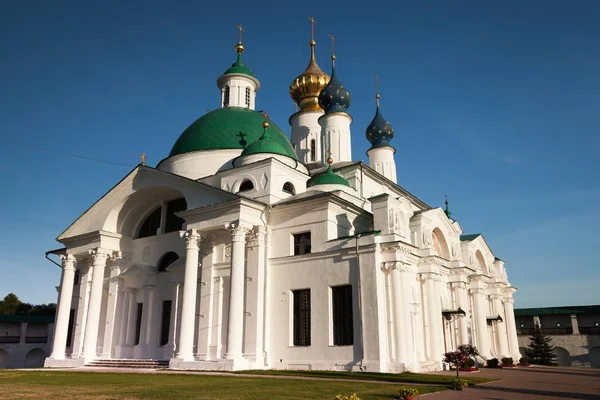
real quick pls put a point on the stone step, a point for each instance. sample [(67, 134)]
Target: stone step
[(129, 363)]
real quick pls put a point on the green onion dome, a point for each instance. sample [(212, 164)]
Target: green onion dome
[(328, 178), (239, 67), (379, 131), (334, 97), (265, 144), (230, 128)]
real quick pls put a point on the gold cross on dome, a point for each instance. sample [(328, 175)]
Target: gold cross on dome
[(332, 44), (313, 23), (240, 33), (143, 158)]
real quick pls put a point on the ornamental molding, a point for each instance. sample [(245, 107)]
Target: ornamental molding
[(192, 238), (458, 285), (68, 262), (256, 236), (388, 266), (98, 256), (480, 291), (206, 244), (238, 232), (431, 276)]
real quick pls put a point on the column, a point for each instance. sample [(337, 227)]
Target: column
[(434, 317), (501, 331), (61, 327), (111, 308), (147, 312), (574, 324), (235, 329), (185, 351), (399, 331), (125, 317), (511, 327), (483, 342), (406, 315), (91, 329), (463, 303)]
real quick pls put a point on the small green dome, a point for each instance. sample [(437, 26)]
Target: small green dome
[(239, 67), (229, 128), (329, 178), (265, 144)]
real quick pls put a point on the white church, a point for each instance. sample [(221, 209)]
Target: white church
[(244, 249)]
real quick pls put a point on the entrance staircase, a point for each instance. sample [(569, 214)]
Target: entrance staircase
[(129, 363)]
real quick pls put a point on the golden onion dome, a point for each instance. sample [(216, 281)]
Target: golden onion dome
[(305, 89)]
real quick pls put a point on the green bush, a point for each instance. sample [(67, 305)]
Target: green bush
[(458, 384), (524, 360), (493, 363), (507, 361)]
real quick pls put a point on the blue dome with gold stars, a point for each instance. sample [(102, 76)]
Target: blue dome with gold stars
[(379, 131), (334, 97)]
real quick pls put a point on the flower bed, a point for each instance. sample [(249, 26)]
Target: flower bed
[(468, 369)]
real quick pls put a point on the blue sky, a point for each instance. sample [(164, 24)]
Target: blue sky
[(495, 103)]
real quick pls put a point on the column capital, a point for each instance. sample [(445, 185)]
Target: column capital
[(459, 285), (430, 276), (192, 238), (256, 236), (477, 291), (238, 232), (68, 262), (99, 255), (496, 296)]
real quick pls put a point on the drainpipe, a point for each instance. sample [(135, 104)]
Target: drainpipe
[(266, 324), (57, 251), (362, 342)]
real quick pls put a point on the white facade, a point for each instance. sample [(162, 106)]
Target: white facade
[(306, 136), (221, 261), (335, 134)]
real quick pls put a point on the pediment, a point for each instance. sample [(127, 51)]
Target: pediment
[(142, 188)]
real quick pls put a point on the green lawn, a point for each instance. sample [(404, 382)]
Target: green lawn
[(41, 385), (406, 377)]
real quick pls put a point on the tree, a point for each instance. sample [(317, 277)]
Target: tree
[(540, 349), (10, 304)]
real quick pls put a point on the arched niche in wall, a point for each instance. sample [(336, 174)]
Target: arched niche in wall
[(481, 262), (440, 244)]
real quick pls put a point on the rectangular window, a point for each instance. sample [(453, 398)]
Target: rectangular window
[(248, 96), (313, 149), (165, 323), (138, 323), (302, 243), (301, 317), (341, 301), (226, 96), (70, 328)]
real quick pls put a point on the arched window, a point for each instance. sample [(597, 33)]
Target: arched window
[(248, 96), (173, 222), (151, 224), (289, 188), (246, 186), (226, 96), (313, 150), (166, 260)]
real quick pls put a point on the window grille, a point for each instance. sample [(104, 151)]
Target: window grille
[(302, 243), (226, 96), (301, 317), (248, 96), (343, 329)]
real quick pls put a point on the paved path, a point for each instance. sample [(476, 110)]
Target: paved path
[(532, 383)]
